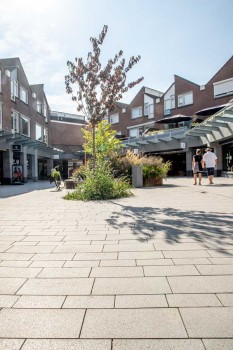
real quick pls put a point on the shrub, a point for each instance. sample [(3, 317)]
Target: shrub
[(99, 185), (154, 167)]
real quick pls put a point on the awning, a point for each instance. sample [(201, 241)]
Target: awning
[(209, 111), (174, 119)]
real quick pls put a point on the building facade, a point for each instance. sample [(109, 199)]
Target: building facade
[(25, 153), (183, 100)]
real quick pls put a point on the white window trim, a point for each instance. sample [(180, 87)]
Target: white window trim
[(45, 139), (39, 103), (15, 114), (113, 117), (140, 112), (42, 132), (183, 99), (220, 83), (14, 89), (29, 128), (22, 89)]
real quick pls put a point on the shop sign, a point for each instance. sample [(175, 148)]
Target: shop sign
[(16, 148), (183, 145)]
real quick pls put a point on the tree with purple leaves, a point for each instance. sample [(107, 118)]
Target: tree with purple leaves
[(98, 88)]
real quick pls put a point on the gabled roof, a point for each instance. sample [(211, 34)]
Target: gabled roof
[(230, 59), (191, 82)]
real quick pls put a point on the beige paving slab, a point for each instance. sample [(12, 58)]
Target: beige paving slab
[(201, 284), (44, 263), (218, 344), (182, 270), (179, 254), (219, 261), (219, 254), (140, 255), (7, 301), (89, 302), (24, 244), (208, 322), (215, 269), (64, 273), (82, 263), (43, 238), (67, 344), (10, 285), (129, 248), (39, 302), (59, 286), (179, 246), (15, 263), (95, 256), (36, 323), (85, 237), (130, 241), (192, 261), (152, 262), (11, 344), (53, 256), (117, 271), (132, 323), (226, 299), (15, 256), (130, 285), (140, 301), (117, 263), (79, 248), (19, 272), (192, 300), (31, 249), (158, 344), (11, 238)]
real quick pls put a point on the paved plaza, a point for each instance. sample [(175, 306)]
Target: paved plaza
[(149, 272)]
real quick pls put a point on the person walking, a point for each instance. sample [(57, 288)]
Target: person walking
[(210, 161), (197, 167)]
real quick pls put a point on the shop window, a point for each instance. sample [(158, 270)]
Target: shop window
[(0, 115)]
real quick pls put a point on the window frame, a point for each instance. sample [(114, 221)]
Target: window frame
[(15, 121), (115, 115), (23, 90), (23, 117), (42, 132), (181, 97), (139, 108)]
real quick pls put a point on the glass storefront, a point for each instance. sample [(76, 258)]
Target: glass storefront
[(227, 156)]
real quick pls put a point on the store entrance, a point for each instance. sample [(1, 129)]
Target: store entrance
[(42, 169), (1, 167), (178, 163)]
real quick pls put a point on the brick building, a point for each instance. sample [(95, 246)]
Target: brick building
[(25, 153), (155, 110)]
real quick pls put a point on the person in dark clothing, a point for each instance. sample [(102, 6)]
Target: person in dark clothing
[(197, 166)]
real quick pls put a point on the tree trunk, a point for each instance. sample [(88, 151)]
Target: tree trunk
[(93, 147)]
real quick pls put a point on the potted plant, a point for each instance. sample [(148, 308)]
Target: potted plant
[(154, 170)]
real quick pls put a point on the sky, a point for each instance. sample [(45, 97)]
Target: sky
[(189, 38)]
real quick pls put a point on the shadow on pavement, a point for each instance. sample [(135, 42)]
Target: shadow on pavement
[(212, 230)]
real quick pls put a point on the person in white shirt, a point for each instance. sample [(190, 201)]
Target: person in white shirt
[(210, 161)]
